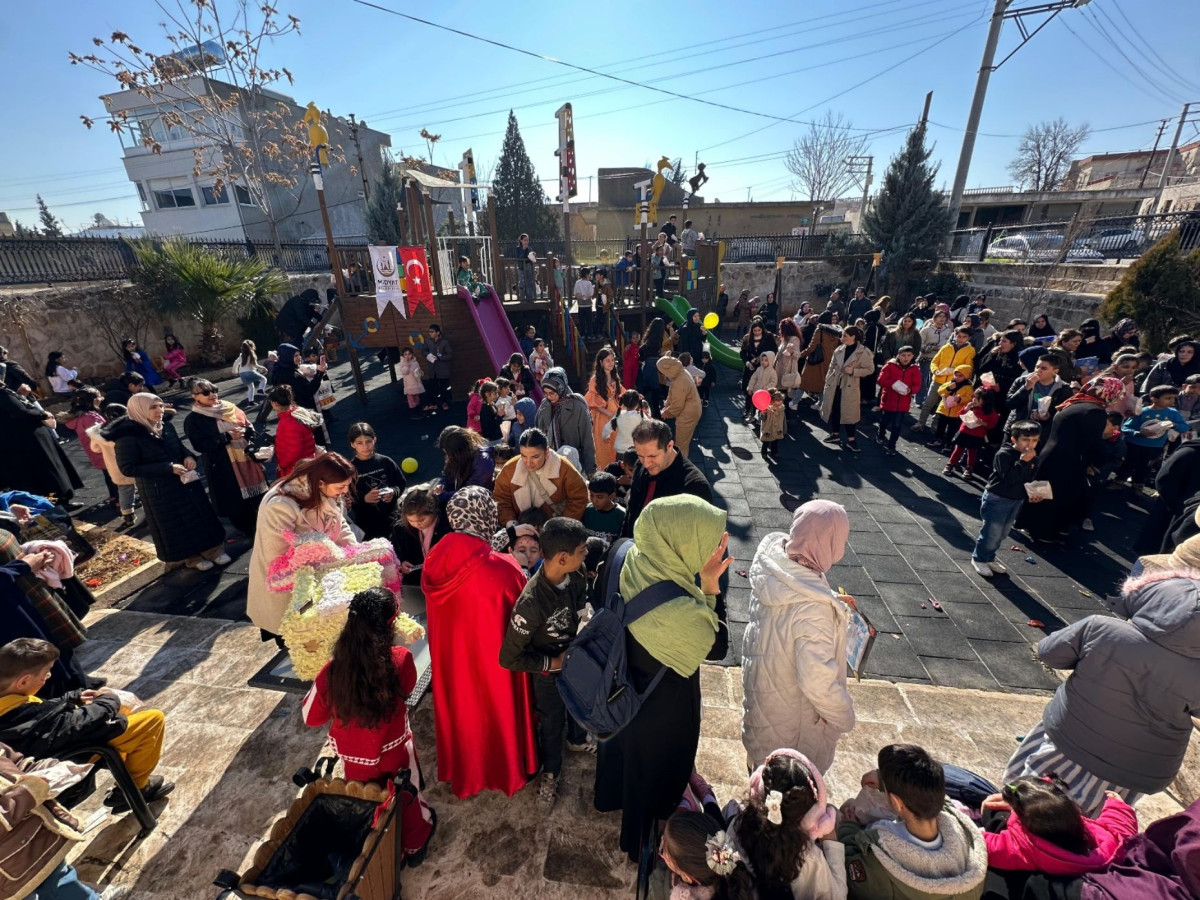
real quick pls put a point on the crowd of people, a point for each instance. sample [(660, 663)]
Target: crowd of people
[(546, 510)]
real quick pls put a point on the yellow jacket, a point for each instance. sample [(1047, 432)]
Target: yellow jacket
[(951, 357)]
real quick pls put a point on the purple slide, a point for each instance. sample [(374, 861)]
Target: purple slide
[(495, 330)]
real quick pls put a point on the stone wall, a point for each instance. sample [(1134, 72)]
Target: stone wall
[(1067, 294), (36, 320), (800, 278)]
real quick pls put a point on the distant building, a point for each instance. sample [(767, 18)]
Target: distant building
[(1111, 171), (103, 227), (176, 200), (6, 227)]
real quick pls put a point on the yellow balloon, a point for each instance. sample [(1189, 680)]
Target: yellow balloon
[(711, 321), (409, 465)]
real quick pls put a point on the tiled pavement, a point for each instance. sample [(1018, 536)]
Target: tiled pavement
[(912, 531)]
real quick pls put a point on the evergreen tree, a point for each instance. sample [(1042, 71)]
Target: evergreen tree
[(383, 222), (908, 220), (50, 226), (1161, 292), (23, 231), (521, 203)]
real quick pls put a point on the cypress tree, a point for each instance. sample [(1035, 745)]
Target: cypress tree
[(909, 220), (521, 202), (383, 223), (50, 226)]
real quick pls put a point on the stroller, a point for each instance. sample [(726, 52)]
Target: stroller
[(339, 840)]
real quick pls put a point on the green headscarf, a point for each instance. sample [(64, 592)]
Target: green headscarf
[(672, 539)]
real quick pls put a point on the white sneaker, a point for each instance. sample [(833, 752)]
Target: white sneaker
[(1087, 525), (223, 560), (588, 746), (982, 568), (200, 565), (998, 568)]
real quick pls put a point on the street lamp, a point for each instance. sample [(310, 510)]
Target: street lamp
[(1001, 12)]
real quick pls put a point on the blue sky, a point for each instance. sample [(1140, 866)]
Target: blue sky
[(870, 60)]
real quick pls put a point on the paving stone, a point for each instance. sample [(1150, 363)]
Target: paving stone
[(733, 506), (930, 558), (873, 543), (955, 587), (907, 600), (1014, 665), (853, 579), (877, 613), (908, 536), (890, 514), (983, 621), (893, 657), (862, 523), (888, 568), (965, 673), (935, 636)]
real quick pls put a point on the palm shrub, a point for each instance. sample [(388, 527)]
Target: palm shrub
[(190, 280)]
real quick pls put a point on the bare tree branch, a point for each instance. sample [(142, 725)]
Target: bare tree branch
[(817, 160), (1045, 153)]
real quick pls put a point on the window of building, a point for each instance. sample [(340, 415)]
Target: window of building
[(212, 197), (243, 195), (174, 198)]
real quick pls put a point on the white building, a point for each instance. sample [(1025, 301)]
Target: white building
[(161, 158)]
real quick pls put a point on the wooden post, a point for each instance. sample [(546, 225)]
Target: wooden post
[(360, 389), (427, 202), (498, 276)]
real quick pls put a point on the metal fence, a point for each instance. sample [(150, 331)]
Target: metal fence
[(45, 260), (1078, 240)]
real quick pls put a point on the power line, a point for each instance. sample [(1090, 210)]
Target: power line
[(1098, 27), (657, 59), (1151, 54), (879, 74), (760, 57), (1104, 59), (540, 56)]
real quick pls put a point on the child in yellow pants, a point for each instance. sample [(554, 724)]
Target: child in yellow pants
[(80, 719)]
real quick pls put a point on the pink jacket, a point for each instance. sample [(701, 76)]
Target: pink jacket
[(1016, 849), (80, 425), (474, 408)]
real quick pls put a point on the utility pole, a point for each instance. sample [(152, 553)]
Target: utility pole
[(925, 111), (1162, 179), (1000, 12), (1162, 129), (855, 164), (362, 170), (568, 186)]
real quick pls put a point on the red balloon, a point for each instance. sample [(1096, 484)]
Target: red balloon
[(761, 399)]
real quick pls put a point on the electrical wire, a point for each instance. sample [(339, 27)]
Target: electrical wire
[(1152, 55), (1099, 28), (665, 56), (853, 87)]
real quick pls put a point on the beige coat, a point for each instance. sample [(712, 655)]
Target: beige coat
[(516, 492), (859, 358), (787, 364), (812, 379), (108, 450), (281, 513), (764, 377), (683, 402)]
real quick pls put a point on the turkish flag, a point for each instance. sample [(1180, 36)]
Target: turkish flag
[(418, 285)]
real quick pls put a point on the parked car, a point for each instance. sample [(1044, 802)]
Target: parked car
[(1038, 246), (1120, 241)]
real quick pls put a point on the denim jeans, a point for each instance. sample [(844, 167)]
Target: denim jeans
[(926, 379), (63, 884), (999, 514)]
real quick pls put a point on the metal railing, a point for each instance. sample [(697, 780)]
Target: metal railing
[(1078, 240), (46, 260)]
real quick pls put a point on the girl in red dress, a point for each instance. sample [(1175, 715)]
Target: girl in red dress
[(362, 692)]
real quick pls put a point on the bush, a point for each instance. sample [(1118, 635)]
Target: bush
[(1161, 292)]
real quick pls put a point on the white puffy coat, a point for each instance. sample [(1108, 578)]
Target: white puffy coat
[(793, 660)]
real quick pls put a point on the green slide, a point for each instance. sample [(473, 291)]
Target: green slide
[(676, 308)]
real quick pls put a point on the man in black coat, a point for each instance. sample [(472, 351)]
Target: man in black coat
[(14, 375), (1178, 482), (662, 471), (30, 456)]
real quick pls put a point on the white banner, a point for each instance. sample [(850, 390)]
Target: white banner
[(387, 280)]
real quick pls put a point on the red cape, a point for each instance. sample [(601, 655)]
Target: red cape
[(482, 712)]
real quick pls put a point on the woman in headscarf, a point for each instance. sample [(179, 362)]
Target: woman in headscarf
[(564, 418), (222, 435), (182, 522), (683, 402), (794, 652), (30, 458), (603, 399), (483, 715), (1175, 369), (1124, 334), (309, 500), (1076, 442), (1041, 328), (644, 769)]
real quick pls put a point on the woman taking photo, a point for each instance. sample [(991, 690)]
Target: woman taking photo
[(468, 460), (603, 399), (310, 499), (840, 401), (223, 436), (794, 653), (420, 524), (539, 478), (644, 769), (183, 525)]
